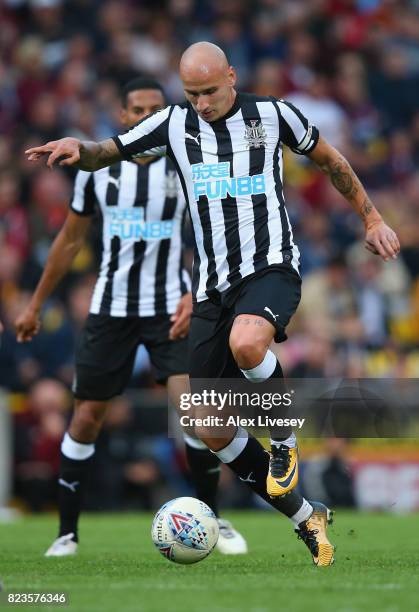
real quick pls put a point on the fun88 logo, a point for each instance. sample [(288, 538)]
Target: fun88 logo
[(130, 224), (214, 182)]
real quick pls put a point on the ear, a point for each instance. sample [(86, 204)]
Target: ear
[(231, 76), (123, 115)]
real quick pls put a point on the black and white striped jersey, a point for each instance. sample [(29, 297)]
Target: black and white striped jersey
[(231, 173), (142, 206)]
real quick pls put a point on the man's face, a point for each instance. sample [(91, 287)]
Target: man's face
[(211, 96), (141, 103)]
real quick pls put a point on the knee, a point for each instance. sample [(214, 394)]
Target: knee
[(247, 352)]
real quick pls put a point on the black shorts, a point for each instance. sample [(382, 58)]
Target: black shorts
[(273, 294), (106, 352)]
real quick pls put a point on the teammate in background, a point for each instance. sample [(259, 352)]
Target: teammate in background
[(227, 147), (141, 297)]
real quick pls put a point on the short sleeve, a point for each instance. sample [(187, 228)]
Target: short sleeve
[(147, 137), (294, 128), (83, 201)]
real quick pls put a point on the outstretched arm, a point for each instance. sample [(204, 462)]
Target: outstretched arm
[(84, 155), (65, 247), (379, 238), (148, 136)]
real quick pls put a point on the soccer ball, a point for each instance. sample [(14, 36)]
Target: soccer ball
[(185, 530)]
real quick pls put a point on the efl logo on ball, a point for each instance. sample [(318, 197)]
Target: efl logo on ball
[(185, 530)]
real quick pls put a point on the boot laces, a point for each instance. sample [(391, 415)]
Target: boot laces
[(308, 536), (280, 460)]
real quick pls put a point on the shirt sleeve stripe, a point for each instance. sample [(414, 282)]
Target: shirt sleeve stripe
[(302, 137), (84, 198), (122, 150), (148, 134)]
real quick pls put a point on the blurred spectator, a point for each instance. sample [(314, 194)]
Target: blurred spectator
[(315, 101), (13, 217), (269, 79), (151, 52), (38, 433), (230, 35), (50, 196), (329, 477), (329, 303), (44, 117)]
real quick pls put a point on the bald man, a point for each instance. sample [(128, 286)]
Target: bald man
[(227, 148)]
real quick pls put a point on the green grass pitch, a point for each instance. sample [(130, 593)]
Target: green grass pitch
[(119, 570)]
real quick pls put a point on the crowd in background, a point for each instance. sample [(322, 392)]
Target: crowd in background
[(351, 66)]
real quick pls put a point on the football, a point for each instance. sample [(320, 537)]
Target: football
[(185, 530)]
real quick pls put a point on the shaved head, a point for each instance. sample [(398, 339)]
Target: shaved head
[(208, 80), (203, 59)]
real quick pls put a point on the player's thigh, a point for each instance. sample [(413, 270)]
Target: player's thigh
[(177, 387), (211, 364), (105, 356), (209, 352), (168, 357), (273, 295)]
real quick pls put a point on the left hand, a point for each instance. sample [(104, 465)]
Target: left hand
[(381, 240), (182, 318)]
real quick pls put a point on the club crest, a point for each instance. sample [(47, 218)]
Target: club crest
[(255, 134), (171, 184)]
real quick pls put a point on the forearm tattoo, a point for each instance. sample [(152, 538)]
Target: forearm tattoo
[(344, 178), (108, 152), (95, 155), (347, 183), (366, 208)]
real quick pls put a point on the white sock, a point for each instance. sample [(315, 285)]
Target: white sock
[(264, 370), (194, 442), (291, 442), (76, 450), (234, 448), (303, 513)]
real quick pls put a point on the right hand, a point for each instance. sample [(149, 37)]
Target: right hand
[(68, 148), (27, 325)]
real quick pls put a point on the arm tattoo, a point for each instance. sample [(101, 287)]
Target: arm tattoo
[(95, 155), (108, 152), (366, 208), (343, 177)]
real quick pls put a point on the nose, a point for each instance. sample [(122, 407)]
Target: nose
[(146, 111), (202, 104)]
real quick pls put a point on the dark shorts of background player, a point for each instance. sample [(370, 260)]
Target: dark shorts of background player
[(277, 288), (106, 353)]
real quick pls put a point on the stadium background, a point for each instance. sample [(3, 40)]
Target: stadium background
[(353, 68)]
